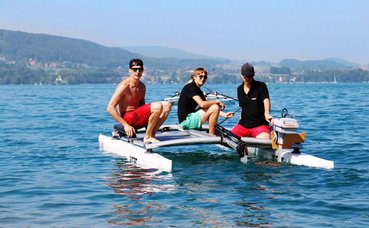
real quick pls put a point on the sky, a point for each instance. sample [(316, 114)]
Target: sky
[(251, 30)]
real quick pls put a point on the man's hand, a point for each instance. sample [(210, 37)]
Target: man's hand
[(221, 105), (268, 117), (229, 115), (130, 131)]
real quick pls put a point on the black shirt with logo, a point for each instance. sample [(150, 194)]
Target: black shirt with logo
[(252, 105)]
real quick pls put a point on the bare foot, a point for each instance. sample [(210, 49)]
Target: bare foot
[(151, 140)]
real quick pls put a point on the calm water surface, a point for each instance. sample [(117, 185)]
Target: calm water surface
[(52, 173)]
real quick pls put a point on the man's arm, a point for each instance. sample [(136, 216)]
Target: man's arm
[(117, 96), (206, 104), (142, 101), (267, 115)]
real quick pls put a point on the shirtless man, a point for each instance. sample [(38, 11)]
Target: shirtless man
[(127, 105)]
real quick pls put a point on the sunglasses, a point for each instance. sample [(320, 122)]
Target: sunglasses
[(137, 69), (202, 77)]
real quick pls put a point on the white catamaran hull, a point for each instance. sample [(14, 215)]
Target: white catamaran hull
[(141, 154), (289, 157), (305, 160), (135, 154), (263, 147)]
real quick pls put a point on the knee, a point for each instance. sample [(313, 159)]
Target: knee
[(156, 107), (214, 108), (166, 106), (263, 135)]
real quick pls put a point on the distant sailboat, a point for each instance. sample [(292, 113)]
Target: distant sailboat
[(334, 79)]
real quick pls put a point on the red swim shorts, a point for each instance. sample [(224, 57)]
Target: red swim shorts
[(138, 118), (241, 131)]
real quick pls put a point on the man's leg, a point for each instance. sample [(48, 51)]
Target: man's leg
[(263, 135), (211, 115), (261, 132), (156, 109), (163, 116), (241, 131)]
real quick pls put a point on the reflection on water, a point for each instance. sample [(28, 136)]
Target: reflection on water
[(125, 216), (253, 211), (140, 189), (133, 181), (136, 183)]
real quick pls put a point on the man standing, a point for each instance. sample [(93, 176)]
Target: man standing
[(127, 105), (192, 97), (253, 98)]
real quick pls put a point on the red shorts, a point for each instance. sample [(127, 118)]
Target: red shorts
[(139, 117), (241, 131)]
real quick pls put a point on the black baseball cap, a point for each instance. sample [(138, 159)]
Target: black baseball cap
[(247, 69)]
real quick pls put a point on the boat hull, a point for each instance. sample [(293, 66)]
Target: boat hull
[(134, 154), (289, 157), (263, 147), (306, 160), (141, 154)]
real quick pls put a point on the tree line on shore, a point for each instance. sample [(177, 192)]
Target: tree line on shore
[(27, 58), (14, 74)]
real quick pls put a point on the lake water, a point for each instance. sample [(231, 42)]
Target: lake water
[(52, 173)]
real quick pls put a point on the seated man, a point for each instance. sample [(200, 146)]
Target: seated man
[(253, 97), (133, 113), (192, 97)]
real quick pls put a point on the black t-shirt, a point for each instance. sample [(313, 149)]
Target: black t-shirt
[(186, 103), (252, 104)]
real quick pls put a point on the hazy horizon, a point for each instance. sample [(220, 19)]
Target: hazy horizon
[(235, 29)]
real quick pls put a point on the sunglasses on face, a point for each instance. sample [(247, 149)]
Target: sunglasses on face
[(202, 77), (137, 69)]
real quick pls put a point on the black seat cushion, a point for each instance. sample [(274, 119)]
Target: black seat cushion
[(119, 127)]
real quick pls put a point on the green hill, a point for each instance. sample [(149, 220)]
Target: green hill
[(20, 46), (27, 58), (311, 65), (166, 52)]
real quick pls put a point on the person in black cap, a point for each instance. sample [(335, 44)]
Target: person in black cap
[(253, 98)]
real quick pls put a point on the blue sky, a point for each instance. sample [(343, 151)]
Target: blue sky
[(255, 30)]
